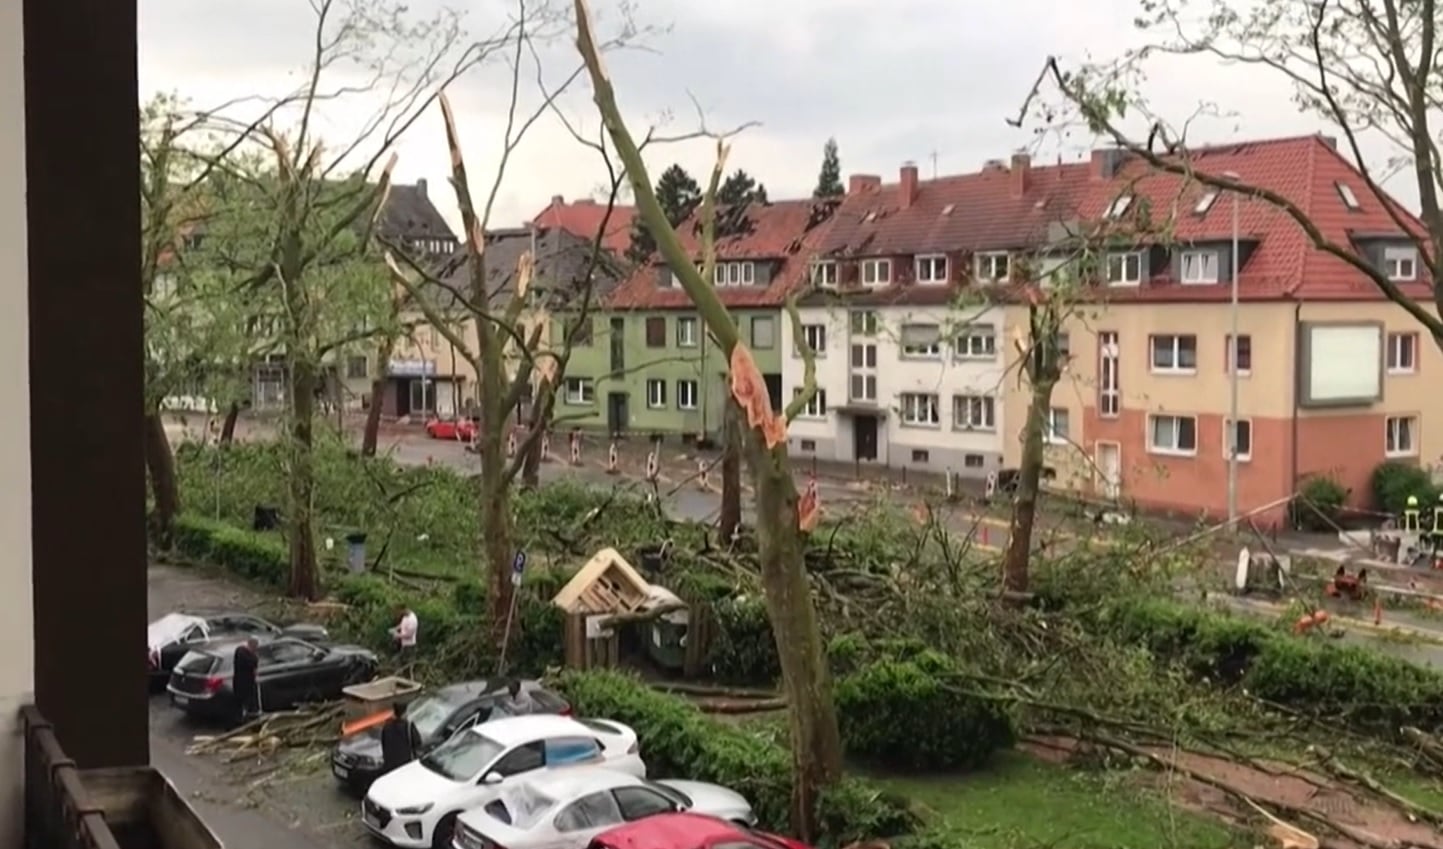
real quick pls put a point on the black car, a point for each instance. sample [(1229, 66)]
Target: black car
[(356, 759), (174, 634), (291, 671)]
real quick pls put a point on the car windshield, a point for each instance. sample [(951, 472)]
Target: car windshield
[(525, 805), (171, 627), (463, 757), (428, 713)]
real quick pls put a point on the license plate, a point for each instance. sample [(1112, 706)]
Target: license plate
[(180, 700), (340, 771)]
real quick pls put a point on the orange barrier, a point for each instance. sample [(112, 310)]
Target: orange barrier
[(1309, 621), (358, 725)]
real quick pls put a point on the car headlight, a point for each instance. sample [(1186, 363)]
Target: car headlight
[(416, 810)]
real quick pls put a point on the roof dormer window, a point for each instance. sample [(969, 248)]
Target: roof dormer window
[(1119, 206), (1350, 200), (1205, 202)]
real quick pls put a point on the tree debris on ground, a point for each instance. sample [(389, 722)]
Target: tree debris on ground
[(313, 725)]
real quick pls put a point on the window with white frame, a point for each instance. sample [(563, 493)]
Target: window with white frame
[(1205, 202), (1119, 206), (686, 395), (814, 336), (932, 268), (1199, 266), (824, 273), (734, 274), (1350, 200), (1402, 353), (1175, 353), (580, 390), (1401, 263), (656, 394), (864, 323), (863, 372), (1245, 353), (686, 332), (764, 332), (1167, 434), (919, 409), (1241, 436), (876, 272), (1056, 429), (974, 412), (921, 341), (1401, 436), (993, 265), (1053, 269), (975, 342), (816, 406), (1109, 385), (1124, 269)]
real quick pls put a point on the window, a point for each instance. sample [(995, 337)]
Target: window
[(580, 390), (1200, 266), (993, 266), (864, 356), (589, 813), (932, 269), (641, 802), (1172, 435), (1205, 202), (1350, 200), (1124, 269), (919, 410), (876, 272), (1057, 427), (824, 273), (1174, 353), (920, 455), (1240, 435), (816, 406), (686, 394), (974, 412), (1109, 391), (561, 751), (973, 461), (814, 336), (864, 373), (686, 335), (656, 394), (921, 341), (1119, 206), (809, 445), (976, 342), (1400, 263), (656, 332), (356, 367), (864, 323), (1401, 439), (1402, 353), (764, 332), (1245, 353), (524, 758), (734, 274)]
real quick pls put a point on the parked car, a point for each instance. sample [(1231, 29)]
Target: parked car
[(356, 759), (459, 430), (290, 671), (689, 831), (566, 808), (417, 805), (172, 635)]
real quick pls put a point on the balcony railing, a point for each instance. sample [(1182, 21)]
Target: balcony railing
[(125, 808)]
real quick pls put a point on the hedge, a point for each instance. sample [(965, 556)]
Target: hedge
[(1350, 683), (678, 740)]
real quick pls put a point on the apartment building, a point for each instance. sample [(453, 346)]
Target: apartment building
[(588, 217), (650, 366)]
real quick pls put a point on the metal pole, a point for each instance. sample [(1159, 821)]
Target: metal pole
[(1231, 433)]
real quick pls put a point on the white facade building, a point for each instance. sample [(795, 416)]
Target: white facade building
[(17, 662), (905, 387)]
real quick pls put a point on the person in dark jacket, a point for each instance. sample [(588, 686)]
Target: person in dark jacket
[(399, 740), (247, 691)]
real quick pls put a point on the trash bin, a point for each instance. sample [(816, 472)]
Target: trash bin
[(356, 552)]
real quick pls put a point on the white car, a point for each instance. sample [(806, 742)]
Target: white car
[(566, 809), (416, 806)]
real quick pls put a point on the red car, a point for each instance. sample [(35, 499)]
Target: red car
[(689, 831), (457, 430)]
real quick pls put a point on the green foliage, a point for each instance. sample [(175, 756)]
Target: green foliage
[(678, 740), (740, 188), (260, 557), (907, 714), (1323, 495), (678, 195), (829, 180), (1392, 483), (743, 650)]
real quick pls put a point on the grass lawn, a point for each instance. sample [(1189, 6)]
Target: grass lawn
[(1024, 802)]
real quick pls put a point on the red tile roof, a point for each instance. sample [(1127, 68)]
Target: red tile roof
[(790, 232), (584, 217), (985, 210)]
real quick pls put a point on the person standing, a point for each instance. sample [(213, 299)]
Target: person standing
[(405, 634), (247, 689), (399, 740), (518, 703)]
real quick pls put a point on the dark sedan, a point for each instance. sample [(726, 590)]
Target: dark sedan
[(290, 672), (356, 759), (171, 636)]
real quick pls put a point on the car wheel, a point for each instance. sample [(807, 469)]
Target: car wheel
[(441, 837)]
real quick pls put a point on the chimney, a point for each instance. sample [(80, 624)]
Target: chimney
[(907, 182), (1330, 141), (1021, 162), (859, 183), (558, 200), (421, 186), (1106, 162)]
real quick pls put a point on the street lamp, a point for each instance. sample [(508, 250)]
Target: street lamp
[(1230, 432)]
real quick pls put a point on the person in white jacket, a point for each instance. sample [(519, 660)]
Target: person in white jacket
[(405, 636)]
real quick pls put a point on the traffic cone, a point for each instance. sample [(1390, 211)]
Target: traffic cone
[(701, 475), (652, 470)]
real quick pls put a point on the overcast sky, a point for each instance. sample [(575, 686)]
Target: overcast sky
[(924, 80)]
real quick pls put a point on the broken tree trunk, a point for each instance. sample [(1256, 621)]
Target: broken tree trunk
[(160, 464)]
